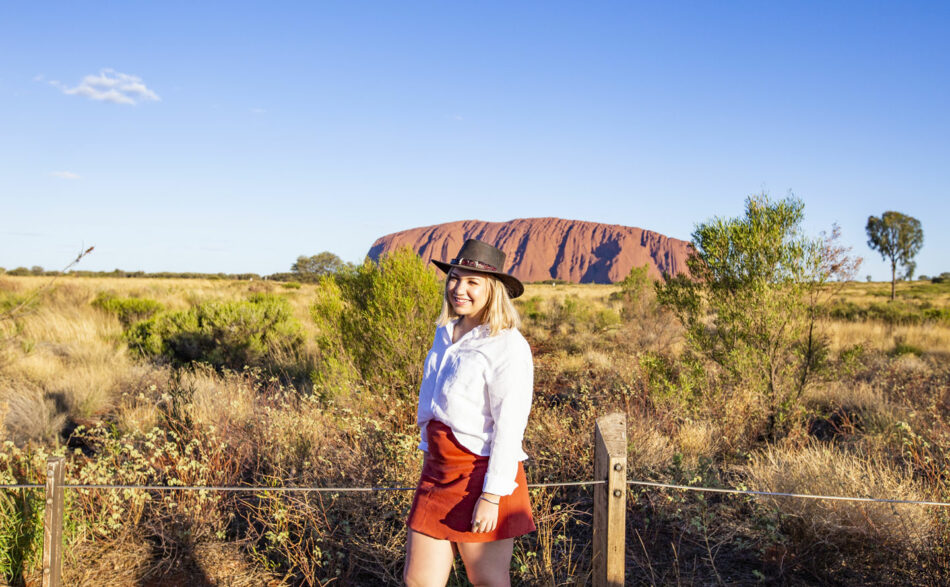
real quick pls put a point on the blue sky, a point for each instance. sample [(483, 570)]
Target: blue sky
[(236, 136)]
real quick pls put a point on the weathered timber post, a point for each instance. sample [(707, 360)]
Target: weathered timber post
[(610, 499), (53, 523)]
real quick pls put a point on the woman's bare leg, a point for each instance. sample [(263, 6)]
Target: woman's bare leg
[(428, 560), (487, 563)]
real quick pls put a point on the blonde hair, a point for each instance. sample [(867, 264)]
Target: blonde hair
[(499, 312)]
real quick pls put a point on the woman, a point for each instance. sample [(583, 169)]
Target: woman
[(474, 401)]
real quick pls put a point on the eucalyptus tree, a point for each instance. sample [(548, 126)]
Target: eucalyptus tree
[(898, 238)]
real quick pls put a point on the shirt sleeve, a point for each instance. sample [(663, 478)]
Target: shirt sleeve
[(510, 390), (423, 413)]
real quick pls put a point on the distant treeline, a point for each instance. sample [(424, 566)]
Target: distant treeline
[(39, 271)]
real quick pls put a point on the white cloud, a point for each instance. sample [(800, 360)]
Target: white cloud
[(65, 175), (110, 85)]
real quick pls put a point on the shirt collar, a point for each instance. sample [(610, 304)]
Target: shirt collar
[(480, 331)]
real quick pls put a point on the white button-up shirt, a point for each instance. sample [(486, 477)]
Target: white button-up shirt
[(481, 387)]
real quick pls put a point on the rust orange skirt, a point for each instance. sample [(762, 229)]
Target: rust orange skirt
[(450, 485)]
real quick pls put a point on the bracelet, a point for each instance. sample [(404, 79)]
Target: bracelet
[(488, 500)]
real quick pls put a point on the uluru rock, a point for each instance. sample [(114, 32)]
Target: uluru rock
[(550, 248)]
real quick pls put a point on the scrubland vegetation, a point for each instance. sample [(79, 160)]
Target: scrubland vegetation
[(201, 382)]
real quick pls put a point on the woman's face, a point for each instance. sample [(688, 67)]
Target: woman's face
[(467, 291)]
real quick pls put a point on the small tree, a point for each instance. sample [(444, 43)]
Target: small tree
[(897, 237), (376, 321), (909, 271), (750, 300), (312, 268)]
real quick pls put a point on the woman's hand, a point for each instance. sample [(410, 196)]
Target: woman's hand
[(485, 516)]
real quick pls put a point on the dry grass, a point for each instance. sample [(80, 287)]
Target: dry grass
[(866, 293), (589, 291), (821, 469), (696, 441), (650, 449), (859, 396), (30, 414), (931, 338)]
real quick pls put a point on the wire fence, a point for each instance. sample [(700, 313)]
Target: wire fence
[(653, 484)]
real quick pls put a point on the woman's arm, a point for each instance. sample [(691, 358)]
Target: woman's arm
[(510, 390)]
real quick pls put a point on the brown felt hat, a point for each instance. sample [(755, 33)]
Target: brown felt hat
[(476, 255)]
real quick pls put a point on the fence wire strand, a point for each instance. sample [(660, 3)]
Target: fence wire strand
[(273, 489), (530, 486), (781, 494)]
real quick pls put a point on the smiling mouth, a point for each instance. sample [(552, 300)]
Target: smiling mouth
[(460, 300)]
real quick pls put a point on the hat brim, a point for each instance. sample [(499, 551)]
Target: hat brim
[(512, 284)]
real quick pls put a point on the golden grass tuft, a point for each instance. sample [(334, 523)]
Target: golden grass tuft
[(31, 413), (854, 396), (139, 394), (697, 440), (821, 469), (649, 449), (219, 401)]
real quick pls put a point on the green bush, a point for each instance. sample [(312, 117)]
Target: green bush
[(259, 332), (903, 348), (530, 308), (128, 310), (377, 321), (852, 359)]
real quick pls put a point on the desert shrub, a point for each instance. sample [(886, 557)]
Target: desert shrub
[(851, 359), (21, 534), (570, 313), (337, 371), (750, 300), (155, 457), (574, 314), (903, 348), (258, 332), (648, 325), (663, 377), (636, 286), (530, 308), (379, 320), (127, 310), (21, 513)]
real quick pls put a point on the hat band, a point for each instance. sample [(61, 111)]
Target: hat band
[(474, 263)]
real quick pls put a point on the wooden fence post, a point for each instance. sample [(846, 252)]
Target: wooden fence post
[(53, 523), (610, 499)]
